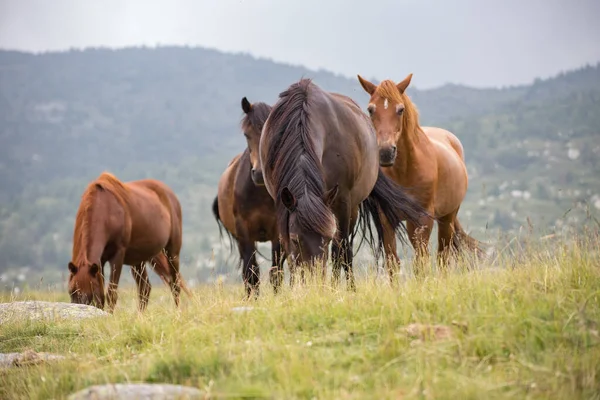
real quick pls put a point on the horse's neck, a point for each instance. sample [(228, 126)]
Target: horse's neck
[(412, 145), (93, 235)]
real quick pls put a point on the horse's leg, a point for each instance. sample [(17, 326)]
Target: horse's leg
[(292, 274), (348, 260), (140, 275), (250, 269), (276, 271), (162, 267), (391, 259), (419, 238), (446, 234), (116, 266), (172, 257), (343, 246), (336, 267)]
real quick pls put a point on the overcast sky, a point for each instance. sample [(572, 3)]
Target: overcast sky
[(473, 42)]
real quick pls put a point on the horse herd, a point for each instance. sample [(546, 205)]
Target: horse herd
[(317, 171)]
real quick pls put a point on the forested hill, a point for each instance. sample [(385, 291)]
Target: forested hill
[(173, 114)]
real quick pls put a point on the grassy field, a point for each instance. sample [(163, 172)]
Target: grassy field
[(524, 327)]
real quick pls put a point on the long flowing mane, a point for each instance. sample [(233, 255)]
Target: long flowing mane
[(410, 118), (256, 118), (294, 162), (105, 182)]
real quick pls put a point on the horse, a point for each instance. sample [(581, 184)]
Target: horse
[(320, 164), (245, 209), (428, 159), (125, 223)]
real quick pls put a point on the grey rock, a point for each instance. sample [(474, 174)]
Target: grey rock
[(26, 358), (137, 391), (242, 309), (36, 310)]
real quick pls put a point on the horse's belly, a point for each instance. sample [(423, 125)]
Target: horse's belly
[(259, 224), (149, 234)]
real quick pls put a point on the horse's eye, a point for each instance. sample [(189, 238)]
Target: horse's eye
[(400, 111)]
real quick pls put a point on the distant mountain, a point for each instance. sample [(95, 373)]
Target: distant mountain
[(173, 113)]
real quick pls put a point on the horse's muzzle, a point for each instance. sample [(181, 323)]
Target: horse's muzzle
[(88, 300), (387, 156), (257, 177)]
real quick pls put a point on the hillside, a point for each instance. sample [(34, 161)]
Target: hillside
[(173, 114)]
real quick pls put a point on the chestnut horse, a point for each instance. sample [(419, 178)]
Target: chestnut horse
[(125, 223), (319, 162), (246, 210), (428, 159)]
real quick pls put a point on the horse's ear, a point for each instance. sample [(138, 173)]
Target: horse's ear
[(368, 86), (288, 199), (246, 106), (73, 268), (330, 195), (404, 84), (94, 270)]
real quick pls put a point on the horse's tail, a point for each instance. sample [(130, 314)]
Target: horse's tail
[(183, 285), (463, 240), (392, 201), (215, 210), (164, 269), (367, 210)]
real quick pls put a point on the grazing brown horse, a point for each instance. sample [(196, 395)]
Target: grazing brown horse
[(246, 210), (125, 223), (428, 159), (320, 163)]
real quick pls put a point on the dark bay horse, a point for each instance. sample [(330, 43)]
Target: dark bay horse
[(320, 163), (246, 210), (428, 159), (125, 223)]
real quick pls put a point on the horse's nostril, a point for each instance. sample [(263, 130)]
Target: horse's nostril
[(393, 149)]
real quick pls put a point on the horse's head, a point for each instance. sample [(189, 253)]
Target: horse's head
[(386, 108), (86, 284), (303, 244), (255, 116)]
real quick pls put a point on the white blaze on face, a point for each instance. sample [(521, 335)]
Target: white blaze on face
[(385, 104)]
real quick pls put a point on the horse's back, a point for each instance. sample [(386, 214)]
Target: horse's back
[(345, 99), (150, 187), (446, 138)]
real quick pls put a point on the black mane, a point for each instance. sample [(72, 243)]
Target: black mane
[(294, 162)]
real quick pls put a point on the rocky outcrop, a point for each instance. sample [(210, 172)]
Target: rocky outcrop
[(36, 310)]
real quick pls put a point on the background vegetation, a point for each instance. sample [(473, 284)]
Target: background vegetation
[(173, 113)]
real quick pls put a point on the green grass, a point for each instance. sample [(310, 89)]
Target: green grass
[(525, 328)]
